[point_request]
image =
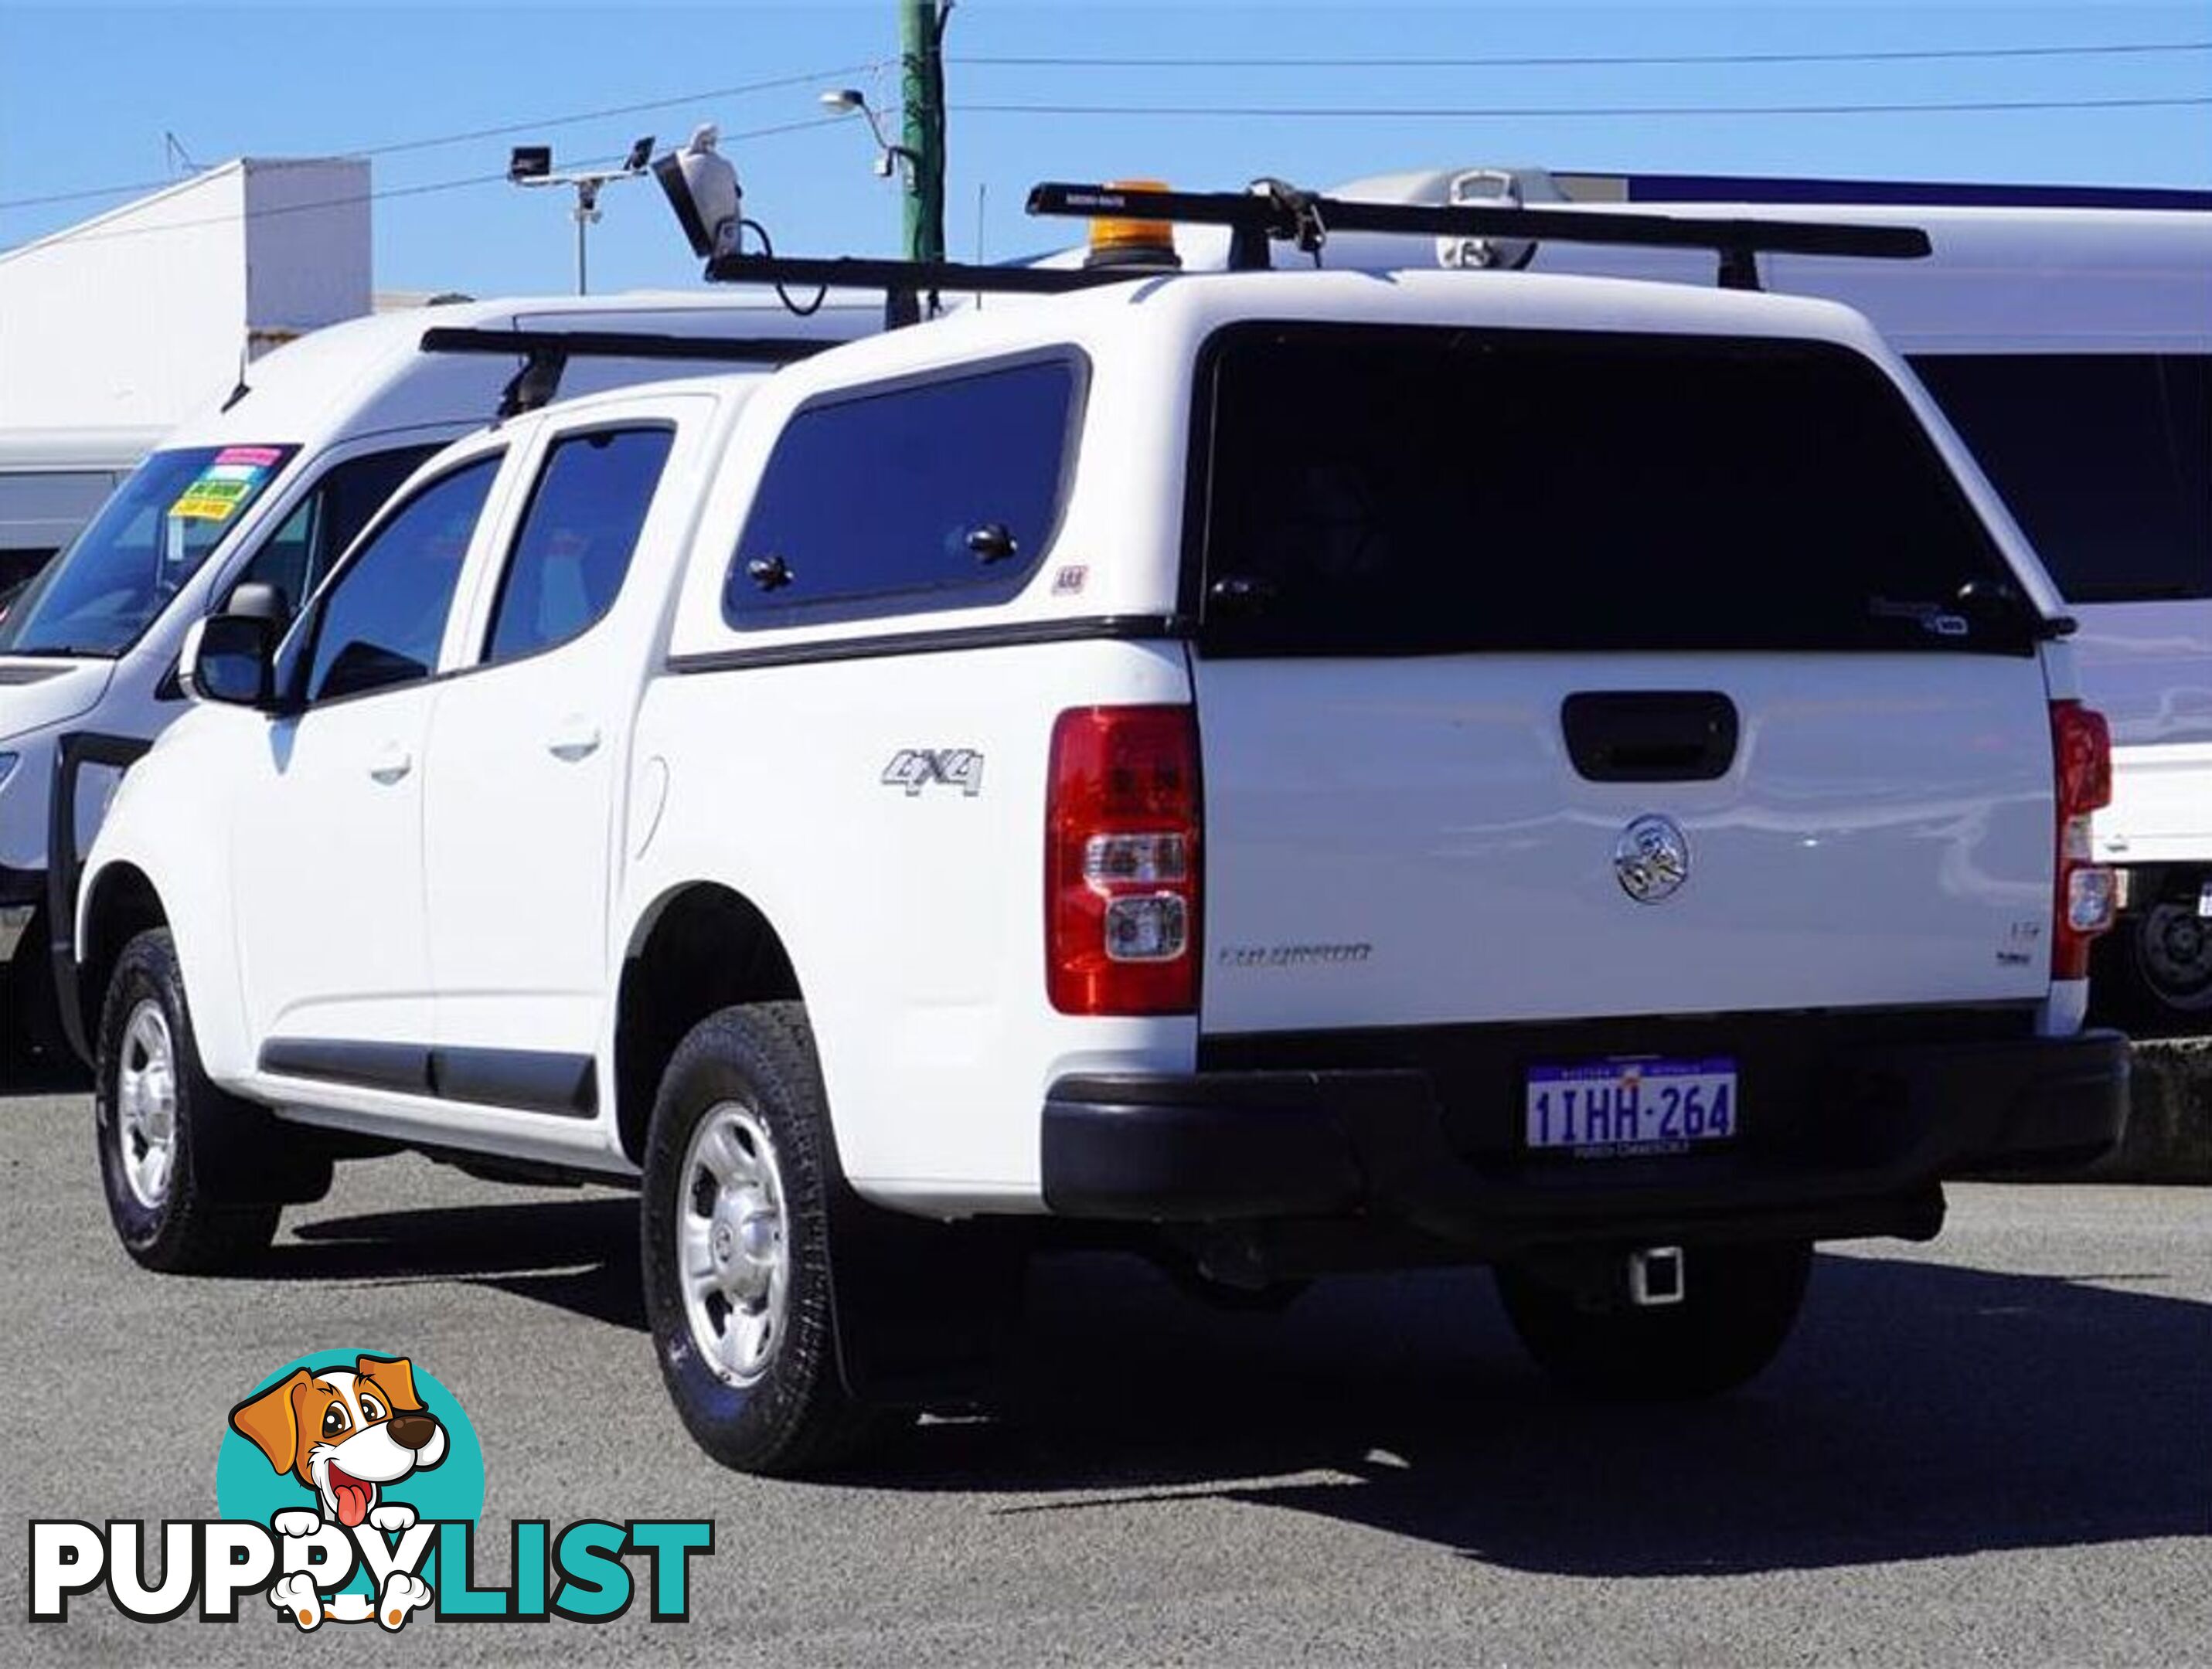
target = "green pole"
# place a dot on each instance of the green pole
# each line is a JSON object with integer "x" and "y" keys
{"x": 922, "y": 99}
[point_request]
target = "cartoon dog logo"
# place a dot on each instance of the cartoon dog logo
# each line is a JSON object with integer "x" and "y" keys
{"x": 347, "y": 1434}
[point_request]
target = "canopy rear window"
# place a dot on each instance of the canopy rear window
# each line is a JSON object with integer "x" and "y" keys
{"x": 1380, "y": 490}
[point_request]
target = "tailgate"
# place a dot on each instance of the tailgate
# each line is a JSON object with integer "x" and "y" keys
{"x": 1403, "y": 842}
{"x": 1552, "y": 675}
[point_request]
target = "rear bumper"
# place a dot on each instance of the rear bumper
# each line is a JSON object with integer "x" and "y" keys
{"x": 1868, "y": 1159}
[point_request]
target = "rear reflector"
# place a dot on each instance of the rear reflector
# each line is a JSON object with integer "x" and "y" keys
{"x": 1122, "y": 861}
{"x": 2087, "y": 893}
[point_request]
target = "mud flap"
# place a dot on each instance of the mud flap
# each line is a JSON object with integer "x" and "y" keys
{"x": 923, "y": 1307}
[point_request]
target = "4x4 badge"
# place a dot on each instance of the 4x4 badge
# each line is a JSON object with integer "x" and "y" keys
{"x": 1651, "y": 859}
{"x": 915, "y": 768}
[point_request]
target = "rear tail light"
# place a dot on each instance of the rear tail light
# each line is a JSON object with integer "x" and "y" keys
{"x": 1122, "y": 861}
{"x": 2088, "y": 894}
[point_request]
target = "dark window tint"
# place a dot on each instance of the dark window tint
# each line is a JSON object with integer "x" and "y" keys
{"x": 314, "y": 536}
{"x": 2105, "y": 459}
{"x": 941, "y": 495}
{"x": 1412, "y": 490}
{"x": 384, "y": 615}
{"x": 577, "y": 537}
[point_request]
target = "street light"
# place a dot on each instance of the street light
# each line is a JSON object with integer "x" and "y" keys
{"x": 844, "y": 100}
{"x": 532, "y": 165}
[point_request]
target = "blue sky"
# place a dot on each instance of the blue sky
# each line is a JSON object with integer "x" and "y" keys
{"x": 88, "y": 91}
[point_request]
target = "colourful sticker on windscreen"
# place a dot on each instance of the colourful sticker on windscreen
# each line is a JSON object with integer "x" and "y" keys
{"x": 261, "y": 457}
{"x": 222, "y": 486}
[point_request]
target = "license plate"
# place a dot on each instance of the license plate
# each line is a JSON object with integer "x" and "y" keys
{"x": 1624, "y": 1107}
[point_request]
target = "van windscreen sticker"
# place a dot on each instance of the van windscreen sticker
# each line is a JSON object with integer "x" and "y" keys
{"x": 225, "y": 484}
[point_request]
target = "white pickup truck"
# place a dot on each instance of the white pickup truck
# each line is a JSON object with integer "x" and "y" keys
{"x": 1295, "y": 770}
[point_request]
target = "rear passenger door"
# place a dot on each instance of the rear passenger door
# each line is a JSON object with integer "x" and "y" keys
{"x": 527, "y": 765}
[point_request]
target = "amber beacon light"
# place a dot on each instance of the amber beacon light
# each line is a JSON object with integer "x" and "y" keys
{"x": 1118, "y": 242}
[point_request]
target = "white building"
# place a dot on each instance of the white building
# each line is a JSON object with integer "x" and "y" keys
{"x": 114, "y": 331}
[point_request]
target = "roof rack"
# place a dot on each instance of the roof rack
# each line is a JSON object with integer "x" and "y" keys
{"x": 1272, "y": 212}
{"x": 547, "y": 354}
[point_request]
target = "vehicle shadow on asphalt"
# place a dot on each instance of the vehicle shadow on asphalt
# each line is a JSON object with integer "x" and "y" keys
{"x": 1920, "y": 1411}
{"x": 576, "y": 1254}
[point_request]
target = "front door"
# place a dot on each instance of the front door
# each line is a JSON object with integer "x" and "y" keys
{"x": 328, "y": 855}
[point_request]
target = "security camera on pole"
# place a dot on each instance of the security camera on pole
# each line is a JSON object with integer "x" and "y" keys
{"x": 532, "y": 165}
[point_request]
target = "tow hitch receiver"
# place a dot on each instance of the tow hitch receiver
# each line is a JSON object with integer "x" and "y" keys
{"x": 1655, "y": 1276}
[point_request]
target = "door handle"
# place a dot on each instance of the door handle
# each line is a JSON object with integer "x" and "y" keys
{"x": 1650, "y": 736}
{"x": 393, "y": 762}
{"x": 578, "y": 738}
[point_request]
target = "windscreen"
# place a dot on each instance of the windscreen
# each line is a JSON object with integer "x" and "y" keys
{"x": 1394, "y": 490}
{"x": 137, "y": 553}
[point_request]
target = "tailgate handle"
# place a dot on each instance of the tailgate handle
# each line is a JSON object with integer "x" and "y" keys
{"x": 1649, "y": 735}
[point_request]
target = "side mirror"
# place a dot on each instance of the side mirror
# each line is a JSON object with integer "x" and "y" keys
{"x": 256, "y": 599}
{"x": 231, "y": 658}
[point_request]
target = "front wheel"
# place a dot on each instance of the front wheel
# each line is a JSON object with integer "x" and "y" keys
{"x": 163, "y": 1126}
{"x": 740, "y": 1179}
{"x": 1738, "y": 1304}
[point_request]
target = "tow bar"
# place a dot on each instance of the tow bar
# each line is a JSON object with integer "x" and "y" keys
{"x": 1657, "y": 1277}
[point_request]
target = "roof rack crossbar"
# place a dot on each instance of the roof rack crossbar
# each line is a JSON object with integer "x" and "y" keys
{"x": 1282, "y": 214}
{"x": 546, "y": 354}
{"x": 622, "y": 344}
{"x": 860, "y": 272}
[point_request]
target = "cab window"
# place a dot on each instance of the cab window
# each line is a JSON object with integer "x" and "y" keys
{"x": 585, "y": 513}
{"x": 384, "y": 616}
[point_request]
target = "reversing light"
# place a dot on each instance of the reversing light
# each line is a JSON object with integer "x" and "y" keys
{"x": 1117, "y": 242}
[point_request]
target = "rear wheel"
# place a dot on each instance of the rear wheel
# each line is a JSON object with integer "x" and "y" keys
{"x": 163, "y": 1126}
{"x": 1738, "y": 1304}
{"x": 741, "y": 1179}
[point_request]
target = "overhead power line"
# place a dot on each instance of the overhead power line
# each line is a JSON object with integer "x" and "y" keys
{"x": 1503, "y": 113}
{"x": 1429, "y": 61}
{"x": 503, "y": 130}
{"x": 385, "y": 194}
{"x": 2108, "y": 49}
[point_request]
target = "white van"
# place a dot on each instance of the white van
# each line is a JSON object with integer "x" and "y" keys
{"x": 2067, "y": 333}
{"x": 270, "y": 489}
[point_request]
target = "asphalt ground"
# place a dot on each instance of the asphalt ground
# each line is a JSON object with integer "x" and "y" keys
{"x": 1996, "y": 1448}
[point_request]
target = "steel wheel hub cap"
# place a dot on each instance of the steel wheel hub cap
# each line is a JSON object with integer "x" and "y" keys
{"x": 732, "y": 1262}
{"x": 146, "y": 1104}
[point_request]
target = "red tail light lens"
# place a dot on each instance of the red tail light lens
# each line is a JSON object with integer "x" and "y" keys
{"x": 1122, "y": 861}
{"x": 2081, "y": 745}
